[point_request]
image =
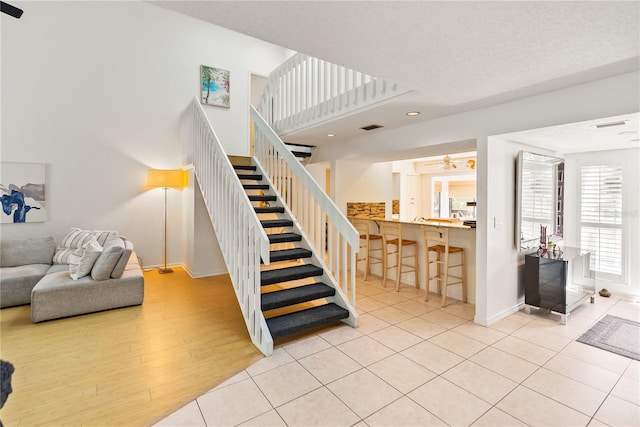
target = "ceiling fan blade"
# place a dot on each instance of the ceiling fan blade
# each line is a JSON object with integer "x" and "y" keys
{"x": 10, "y": 10}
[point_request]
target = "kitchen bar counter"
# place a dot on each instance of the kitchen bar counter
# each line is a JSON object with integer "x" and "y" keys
{"x": 461, "y": 236}
{"x": 437, "y": 222}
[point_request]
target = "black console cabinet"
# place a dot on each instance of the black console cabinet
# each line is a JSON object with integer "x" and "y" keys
{"x": 548, "y": 284}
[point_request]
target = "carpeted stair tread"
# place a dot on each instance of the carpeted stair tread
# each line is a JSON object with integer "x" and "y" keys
{"x": 300, "y": 294}
{"x": 289, "y": 254}
{"x": 244, "y": 167}
{"x": 284, "y": 237}
{"x": 255, "y": 186}
{"x": 297, "y": 272}
{"x": 269, "y": 209}
{"x": 272, "y": 223}
{"x": 250, "y": 176}
{"x": 262, "y": 198}
{"x": 299, "y": 321}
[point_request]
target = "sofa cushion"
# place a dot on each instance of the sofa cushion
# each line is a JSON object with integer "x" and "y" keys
{"x": 111, "y": 253}
{"x": 77, "y": 237}
{"x": 56, "y": 295}
{"x": 14, "y": 253}
{"x": 17, "y": 283}
{"x": 123, "y": 261}
{"x": 82, "y": 259}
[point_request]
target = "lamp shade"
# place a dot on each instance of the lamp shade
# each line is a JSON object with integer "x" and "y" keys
{"x": 176, "y": 178}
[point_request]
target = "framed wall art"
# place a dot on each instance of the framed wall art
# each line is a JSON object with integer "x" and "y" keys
{"x": 214, "y": 86}
{"x": 22, "y": 192}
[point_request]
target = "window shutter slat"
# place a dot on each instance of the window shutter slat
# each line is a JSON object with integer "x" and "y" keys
{"x": 601, "y": 217}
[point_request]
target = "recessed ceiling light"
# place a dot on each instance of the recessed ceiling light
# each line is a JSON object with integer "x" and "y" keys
{"x": 330, "y": 135}
{"x": 413, "y": 113}
{"x": 627, "y": 132}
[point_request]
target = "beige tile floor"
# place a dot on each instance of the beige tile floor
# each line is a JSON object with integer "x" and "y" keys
{"x": 412, "y": 363}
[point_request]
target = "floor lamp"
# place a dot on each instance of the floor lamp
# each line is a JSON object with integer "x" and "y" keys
{"x": 165, "y": 179}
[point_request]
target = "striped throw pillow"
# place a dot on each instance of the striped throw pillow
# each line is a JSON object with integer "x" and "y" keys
{"x": 76, "y": 238}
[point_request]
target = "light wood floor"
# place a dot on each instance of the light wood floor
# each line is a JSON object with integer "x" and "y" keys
{"x": 129, "y": 366}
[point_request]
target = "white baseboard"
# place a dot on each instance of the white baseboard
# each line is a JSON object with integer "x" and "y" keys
{"x": 498, "y": 317}
{"x": 201, "y": 275}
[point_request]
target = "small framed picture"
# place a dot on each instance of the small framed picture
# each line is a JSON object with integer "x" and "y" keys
{"x": 214, "y": 86}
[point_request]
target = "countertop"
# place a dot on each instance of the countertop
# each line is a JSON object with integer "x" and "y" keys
{"x": 449, "y": 223}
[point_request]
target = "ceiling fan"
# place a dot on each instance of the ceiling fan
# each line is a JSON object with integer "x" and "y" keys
{"x": 448, "y": 164}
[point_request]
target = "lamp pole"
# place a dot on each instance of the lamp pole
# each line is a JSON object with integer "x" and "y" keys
{"x": 165, "y": 269}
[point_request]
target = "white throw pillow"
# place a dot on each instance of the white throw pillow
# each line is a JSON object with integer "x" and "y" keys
{"x": 82, "y": 259}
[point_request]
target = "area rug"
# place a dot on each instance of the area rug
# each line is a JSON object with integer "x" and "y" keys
{"x": 614, "y": 334}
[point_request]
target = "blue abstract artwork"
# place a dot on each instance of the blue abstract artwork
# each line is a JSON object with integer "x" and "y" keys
{"x": 22, "y": 192}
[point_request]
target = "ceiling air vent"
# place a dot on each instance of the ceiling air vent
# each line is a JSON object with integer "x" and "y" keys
{"x": 607, "y": 125}
{"x": 371, "y": 127}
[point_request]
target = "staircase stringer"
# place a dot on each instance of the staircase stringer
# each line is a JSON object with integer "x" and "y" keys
{"x": 243, "y": 241}
{"x": 340, "y": 298}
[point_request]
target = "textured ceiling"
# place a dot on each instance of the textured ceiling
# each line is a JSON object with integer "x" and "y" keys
{"x": 457, "y": 55}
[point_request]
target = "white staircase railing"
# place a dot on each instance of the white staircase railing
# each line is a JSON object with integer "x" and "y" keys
{"x": 305, "y": 91}
{"x": 328, "y": 231}
{"x": 242, "y": 239}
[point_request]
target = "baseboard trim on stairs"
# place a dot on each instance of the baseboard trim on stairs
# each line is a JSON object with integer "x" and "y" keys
{"x": 218, "y": 272}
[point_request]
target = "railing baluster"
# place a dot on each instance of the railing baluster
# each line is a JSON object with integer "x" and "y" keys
{"x": 241, "y": 237}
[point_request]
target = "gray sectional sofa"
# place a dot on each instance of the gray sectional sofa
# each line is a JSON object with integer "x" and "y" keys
{"x": 28, "y": 275}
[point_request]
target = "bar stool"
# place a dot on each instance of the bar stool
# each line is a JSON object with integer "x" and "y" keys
{"x": 371, "y": 255}
{"x": 395, "y": 245}
{"x": 437, "y": 240}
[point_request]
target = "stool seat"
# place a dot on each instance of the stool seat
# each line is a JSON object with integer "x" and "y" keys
{"x": 442, "y": 248}
{"x": 437, "y": 241}
{"x": 371, "y": 237}
{"x": 404, "y": 242}
{"x": 393, "y": 247}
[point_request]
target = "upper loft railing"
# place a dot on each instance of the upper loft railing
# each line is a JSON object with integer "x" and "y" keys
{"x": 305, "y": 91}
{"x": 242, "y": 238}
{"x": 330, "y": 234}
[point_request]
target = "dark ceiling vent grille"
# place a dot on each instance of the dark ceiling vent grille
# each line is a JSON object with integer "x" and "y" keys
{"x": 371, "y": 127}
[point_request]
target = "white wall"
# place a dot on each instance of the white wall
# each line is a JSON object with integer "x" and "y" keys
{"x": 505, "y": 291}
{"x": 496, "y": 184}
{"x": 319, "y": 172}
{"x": 358, "y": 181}
{"x": 630, "y": 161}
{"x": 95, "y": 91}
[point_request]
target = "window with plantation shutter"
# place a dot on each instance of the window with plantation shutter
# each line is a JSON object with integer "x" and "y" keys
{"x": 601, "y": 220}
